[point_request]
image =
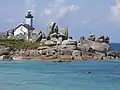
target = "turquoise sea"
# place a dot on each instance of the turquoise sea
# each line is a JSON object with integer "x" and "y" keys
{"x": 39, "y": 75}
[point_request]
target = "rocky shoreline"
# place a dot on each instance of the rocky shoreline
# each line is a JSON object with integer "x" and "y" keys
{"x": 58, "y": 53}
{"x": 57, "y": 46}
{"x": 67, "y": 51}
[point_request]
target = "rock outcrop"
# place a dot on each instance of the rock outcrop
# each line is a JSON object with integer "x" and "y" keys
{"x": 86, "y": 44}
{"x": 57, "y": 33}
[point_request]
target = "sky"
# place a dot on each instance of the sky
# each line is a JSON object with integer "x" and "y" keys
{"x": 82, "y": 17}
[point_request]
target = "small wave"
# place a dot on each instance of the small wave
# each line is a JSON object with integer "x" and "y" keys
{"x": 116, "y": 76}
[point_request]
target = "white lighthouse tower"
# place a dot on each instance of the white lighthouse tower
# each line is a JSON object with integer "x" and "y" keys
{"x": 29, "y": 18}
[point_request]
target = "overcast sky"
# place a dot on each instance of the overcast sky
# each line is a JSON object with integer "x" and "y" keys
{"x": 82, "y": 17}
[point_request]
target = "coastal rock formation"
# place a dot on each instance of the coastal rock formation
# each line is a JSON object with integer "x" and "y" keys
{"x": 54, "y": 44}
{"x": 55, "y": 32}
{"x": 68, "y": 49}
{"x": 69, "y": 44}
{"x": 86, "y": 44}
{"x": 100, "y": 47}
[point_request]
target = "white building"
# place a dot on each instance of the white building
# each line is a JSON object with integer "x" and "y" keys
{"x": 25, "y": 30}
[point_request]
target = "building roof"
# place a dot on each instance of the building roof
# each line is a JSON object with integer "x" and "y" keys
{"x": 26, "y": 26}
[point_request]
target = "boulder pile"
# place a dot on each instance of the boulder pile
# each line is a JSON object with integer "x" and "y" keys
{"x": 57, "y": 45}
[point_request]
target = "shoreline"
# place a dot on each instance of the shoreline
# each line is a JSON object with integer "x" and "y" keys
{"x": 56, "y": 54}
{"x": 64, "y": 58}
{"x": 67, "y": 51}
{"x": 61, "y": 60}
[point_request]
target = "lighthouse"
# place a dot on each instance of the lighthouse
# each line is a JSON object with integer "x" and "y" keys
{"x": 29, "y": 18}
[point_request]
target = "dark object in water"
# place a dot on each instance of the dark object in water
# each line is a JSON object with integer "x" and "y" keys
{"x": 62, "y": 61}
{"x": 88, "y": 72}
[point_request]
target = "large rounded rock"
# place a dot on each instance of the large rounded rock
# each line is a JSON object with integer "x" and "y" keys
{"x": 83, "y": 47}
{"x": 72, "y": 47}
{"x": 91, "y": 37}
{"x": 101, "y": 47}
{"x": 49, "y": 43}
{"x": 7, "y": 57}
{"x": 76, "y": 53}
{"x": 27, "y": 53}
{"x": 43, "y": 40}
{"x": 34, "y": 53}
{"x": 4, "y": 52}
{"x": 112, "y": 53}
{"x": 21, "y": 53}
{"x": 60, "y": 39}
{"x": 66, "y": 52}
{"x": 59, "y": 42}
{"x": 54, "y": 39}
{"x": 69, "y": 42}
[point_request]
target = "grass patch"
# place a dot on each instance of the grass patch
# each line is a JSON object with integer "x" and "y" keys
{"x": 19, "y": 44}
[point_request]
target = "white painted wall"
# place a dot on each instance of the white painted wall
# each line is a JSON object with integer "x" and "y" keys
{"x": 21, "y": 30}
{"x": 29, "y": 21}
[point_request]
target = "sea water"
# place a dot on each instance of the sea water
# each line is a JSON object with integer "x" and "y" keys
{"x": 39, "y": 75}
